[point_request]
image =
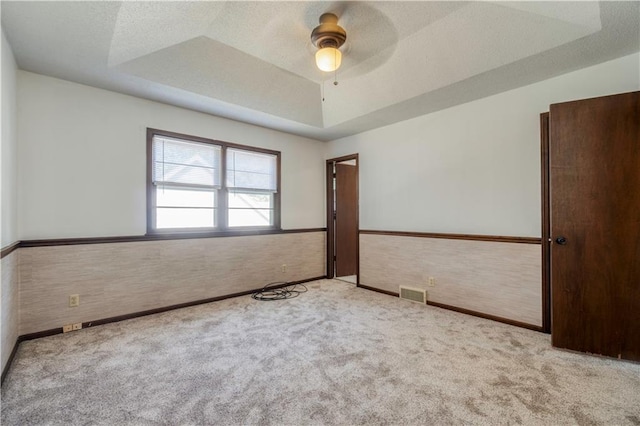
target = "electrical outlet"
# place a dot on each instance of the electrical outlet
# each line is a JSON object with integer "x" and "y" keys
{"x": 74, "y": 300}
{"x": 77, "y": 326}
{"x": 432, "y": 282}
{"x": 284, "y": 268}
{"x": 67, "y": 328}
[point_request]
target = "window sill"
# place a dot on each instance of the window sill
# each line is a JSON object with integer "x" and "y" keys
{"x": 235, "y": 232}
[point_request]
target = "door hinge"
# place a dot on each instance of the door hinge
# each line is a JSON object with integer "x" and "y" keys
{"x": 334, "y": 258}
{"x": 334, "y": 215}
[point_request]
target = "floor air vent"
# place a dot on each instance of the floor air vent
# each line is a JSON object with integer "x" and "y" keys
{"x": 413, "y": 294}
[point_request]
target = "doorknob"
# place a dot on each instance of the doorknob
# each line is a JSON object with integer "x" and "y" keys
{"x": 561, "y": 240}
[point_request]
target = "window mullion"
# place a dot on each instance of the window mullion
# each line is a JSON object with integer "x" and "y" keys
{"x": 223, "y": 200}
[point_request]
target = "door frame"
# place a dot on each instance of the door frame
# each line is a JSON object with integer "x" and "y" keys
{"x": 546, "y": 222}
{"x": 330, "y": 220}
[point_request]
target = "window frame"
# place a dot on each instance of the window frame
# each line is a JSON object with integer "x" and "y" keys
{"x": 222, "y": 208}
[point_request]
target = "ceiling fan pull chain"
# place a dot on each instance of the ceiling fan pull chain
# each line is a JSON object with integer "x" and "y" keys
{"x": 335, "y": 71}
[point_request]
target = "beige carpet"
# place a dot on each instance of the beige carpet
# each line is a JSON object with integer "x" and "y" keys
{"x": 335, "y": 355}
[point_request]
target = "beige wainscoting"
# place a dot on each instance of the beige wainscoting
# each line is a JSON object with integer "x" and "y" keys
{"x": 10, "y": 305}
{"x": 123, "y": 278}
{"x": 502, "y": 279}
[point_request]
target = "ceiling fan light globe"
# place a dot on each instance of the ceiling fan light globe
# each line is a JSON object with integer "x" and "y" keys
{"x": 328, "y": 59}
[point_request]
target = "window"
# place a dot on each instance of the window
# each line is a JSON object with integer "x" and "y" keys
{"x": 251, "y": 183}
{"x": 186, "y": 179}
{"x": 201, "y": 185}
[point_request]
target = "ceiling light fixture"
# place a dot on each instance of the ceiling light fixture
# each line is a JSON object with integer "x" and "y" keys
{"x": 328, "y": 37}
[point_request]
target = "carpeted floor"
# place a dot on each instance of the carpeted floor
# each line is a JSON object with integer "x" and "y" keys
{"x": 336, "y": 355}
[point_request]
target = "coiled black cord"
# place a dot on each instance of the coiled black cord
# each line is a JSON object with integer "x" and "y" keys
{"x": 280, "y": 293}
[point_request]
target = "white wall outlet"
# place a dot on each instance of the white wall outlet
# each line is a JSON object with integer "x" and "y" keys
{"x": 67, "y": 328}
{"x": 284, "y": 268}
{"x": 74, "y": 300}
{"x": 77, "y": 326}
{"x": 432, "y": 282}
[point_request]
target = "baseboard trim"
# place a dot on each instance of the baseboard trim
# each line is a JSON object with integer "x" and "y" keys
{"x": 486, "y": 316}
{"x": 463, "y": 310}
{"x": 39, "y": 334}
{"x": 188, "y": 304}
{"x": 378, "y": 290}
{"x": 5, "y": 370}
{"x": 54, "y": 331}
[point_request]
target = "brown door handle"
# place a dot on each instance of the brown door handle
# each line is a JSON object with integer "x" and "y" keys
{"x": 561, "y": 240}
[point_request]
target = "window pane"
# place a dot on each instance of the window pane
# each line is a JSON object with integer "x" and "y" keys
{"x": 184, "y": 218}
{"x": 250, "y": 217}
{"x": 251, "y": 170}
{"x": 174, "y": 197}
{"x": 181, "y": 173}
{"x": 250, "y": 200}
{"x": 187, "y": 162}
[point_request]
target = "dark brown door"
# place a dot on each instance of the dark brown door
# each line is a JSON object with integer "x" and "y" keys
{"x": 346, "y": 222}
{"x": 594, "y": 160}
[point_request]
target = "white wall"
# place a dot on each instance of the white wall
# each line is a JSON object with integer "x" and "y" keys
{"x": 8, "y": 150}
{"x": 473, "y": 168}
{"x": 83, "y": 159}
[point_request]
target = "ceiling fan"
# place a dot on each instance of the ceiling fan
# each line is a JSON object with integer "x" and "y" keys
{"x": 328, "y": 37}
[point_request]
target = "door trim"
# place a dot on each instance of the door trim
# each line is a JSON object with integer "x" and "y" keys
{"x": 546, "y": 223}
{"x": 330, "y": 223}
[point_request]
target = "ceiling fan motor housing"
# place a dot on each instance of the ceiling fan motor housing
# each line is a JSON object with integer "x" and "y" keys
{"x": 328, "y": 33}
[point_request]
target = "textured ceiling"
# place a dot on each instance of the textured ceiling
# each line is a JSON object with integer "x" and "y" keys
{"x": 253, "y": 61}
